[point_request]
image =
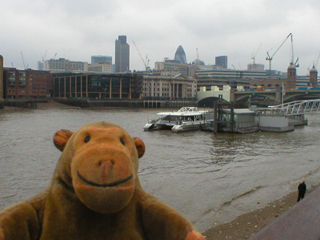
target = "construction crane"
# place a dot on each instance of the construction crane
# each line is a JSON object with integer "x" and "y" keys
{"x": 43, "y": 59}
{"x": 44, "y": 56}
{"x": 296, "y": 63}
{"x": 317, "y": 61}
{"x": 145, "y": 61}
{"x": 269, "y": 58}
{"x": 255, "y": 54}
{"x": 23, "y": 60}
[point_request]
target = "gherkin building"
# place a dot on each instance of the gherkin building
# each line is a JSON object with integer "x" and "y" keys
{"x": 180, "y": 55}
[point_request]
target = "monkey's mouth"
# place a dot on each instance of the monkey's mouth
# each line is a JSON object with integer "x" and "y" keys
{"x": 104, "y": 185}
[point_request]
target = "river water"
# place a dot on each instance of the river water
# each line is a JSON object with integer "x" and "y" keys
{"x": 210, "y": 178}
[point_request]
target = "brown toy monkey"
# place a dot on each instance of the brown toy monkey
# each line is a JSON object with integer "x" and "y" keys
{"x": 95, "y": 193}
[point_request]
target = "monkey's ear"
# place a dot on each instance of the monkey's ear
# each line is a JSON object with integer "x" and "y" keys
{"x": 61, "y": 138}
{"x": 141, "y": 148}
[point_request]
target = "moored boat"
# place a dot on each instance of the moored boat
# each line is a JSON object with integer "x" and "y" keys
{"x": 185, "y": 119}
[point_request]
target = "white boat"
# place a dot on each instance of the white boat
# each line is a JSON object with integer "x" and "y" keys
{"x": 185, "y": 119}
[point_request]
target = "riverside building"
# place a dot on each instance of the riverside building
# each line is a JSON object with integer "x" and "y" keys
{"x": 117, "y": 86}
{"x": 161, "y": 87}
{"x": 106, "y": 86}
{"x": 27, "y": 84}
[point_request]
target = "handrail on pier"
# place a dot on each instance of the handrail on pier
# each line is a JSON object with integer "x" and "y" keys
{"x": 297, "y": 107}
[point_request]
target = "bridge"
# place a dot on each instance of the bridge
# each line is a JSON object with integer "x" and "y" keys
{"x": 297, "y": 107}
{"x": 278, "y": 95}
{"x": 272, "y": 96}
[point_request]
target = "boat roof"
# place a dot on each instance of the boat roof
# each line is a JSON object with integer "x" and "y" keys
{"x": 180, "y": 113}
{"x": 184, "y": 111}
{"x": 240, "y": 111}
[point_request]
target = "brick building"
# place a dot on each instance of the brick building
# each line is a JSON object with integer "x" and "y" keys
{"x": 27, "y": 84}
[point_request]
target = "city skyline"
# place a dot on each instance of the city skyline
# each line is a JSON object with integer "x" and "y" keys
{"x": 78, "y": 30}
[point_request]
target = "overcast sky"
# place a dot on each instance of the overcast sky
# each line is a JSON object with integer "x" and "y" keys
{"x": 78, "y": 29}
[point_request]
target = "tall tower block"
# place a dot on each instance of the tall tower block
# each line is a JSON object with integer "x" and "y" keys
{"x": 122, "y": 54}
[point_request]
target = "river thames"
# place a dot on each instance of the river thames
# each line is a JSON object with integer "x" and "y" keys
{"x": 210, "y": 178}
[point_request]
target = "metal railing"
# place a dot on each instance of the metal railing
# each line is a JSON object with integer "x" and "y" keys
{"x": 297, "y": 107}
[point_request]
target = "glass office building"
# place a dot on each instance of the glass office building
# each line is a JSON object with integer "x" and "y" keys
{"x": 122, "y": 54}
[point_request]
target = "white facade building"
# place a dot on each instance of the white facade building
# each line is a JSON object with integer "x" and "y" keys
{"x": 169, "y": 87}
{"x": 62, "y": 65}
{"x": 100, "y": 67}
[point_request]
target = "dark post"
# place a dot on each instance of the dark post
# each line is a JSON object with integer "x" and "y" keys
{"x": 215, "y": 117}
{"x": 232, "y": 116}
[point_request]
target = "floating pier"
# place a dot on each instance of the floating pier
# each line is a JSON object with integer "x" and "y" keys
{"x": 229, "y": 119}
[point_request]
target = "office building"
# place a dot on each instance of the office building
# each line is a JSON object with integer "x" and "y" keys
{"x": 122, "y": 54}
{"x": 40, "y": 65}
{"x": 62, "y": 65}
{"x": 180, "y": 56}
{"x": 98, "y": 85}
{"x": 101, "y": 59}
{"x": 100, "y": 67}
{"x": 159, "y": 87}
{"x": 255, "y": 67}
{"x": 222, "y": 61}
{"x": 174, "y": 67}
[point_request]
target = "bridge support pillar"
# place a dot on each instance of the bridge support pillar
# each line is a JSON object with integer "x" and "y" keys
{"x": 232, "y": 95}
{"x": 279, "y": 95}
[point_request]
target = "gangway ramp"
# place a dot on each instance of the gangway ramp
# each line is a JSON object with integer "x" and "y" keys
{"x": 297, "y": 107}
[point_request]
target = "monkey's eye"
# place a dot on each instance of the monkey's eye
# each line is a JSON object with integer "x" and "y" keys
{"x": 122, "y": 141}
{"x": 87, "y": 139}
